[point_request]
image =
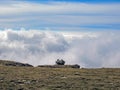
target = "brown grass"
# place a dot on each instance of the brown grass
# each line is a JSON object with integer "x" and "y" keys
{"x": 41, "y": 78}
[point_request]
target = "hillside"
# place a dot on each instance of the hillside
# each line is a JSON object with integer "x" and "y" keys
{"x": 45, "y": 78}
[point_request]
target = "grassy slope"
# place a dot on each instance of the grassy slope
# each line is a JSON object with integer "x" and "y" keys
{"x": 38, "y": 78}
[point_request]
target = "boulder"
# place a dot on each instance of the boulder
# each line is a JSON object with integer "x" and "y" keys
{"x": 76, "y": 66}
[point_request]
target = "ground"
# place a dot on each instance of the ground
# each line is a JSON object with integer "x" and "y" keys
{"x": 45, "y": 78}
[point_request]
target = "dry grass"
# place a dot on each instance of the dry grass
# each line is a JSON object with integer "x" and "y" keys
{"x": 38, "y": 78}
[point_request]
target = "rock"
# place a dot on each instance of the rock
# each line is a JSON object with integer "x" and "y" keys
{"x": 60, "y": 62}
{"x": 76, "y": 66}
{"x": 12, "y": 63}
{"x": 1, "y": 79}
{"x": 21, "y": 89}
{"x": 60, "y": 66}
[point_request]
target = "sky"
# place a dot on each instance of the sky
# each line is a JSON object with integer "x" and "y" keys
{"x": 73, "y": 0}
{"x": 60, "y": 14}
{"x": 38, "y": 32}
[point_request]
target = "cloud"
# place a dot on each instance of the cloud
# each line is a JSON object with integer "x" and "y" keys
{"x": 89, "y": 49}
{"x": 58, "y": 8}
{"x": 58, "y": 14}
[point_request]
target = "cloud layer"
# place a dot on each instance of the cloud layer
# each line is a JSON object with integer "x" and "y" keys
{"x": 89, "y": 49}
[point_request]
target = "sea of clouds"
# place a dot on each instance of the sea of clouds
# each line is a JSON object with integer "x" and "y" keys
{"x": 88, "y": 49}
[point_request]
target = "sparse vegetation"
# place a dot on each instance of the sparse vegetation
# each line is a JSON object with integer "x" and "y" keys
{"x": 45, "y": 78}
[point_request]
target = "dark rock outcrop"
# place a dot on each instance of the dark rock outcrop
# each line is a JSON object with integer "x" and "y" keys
{"x": 76, "y": 66}
{"x": 60, "y": 62}
{"x": 59, "y": 66}
{"x": 18, "y": 64}
{"x": 12, "y": 63}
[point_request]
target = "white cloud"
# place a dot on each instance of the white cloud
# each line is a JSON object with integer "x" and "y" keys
{"x": 89, "y": 49}
{"x": 60, "y": 8}
{"x": 31, "y": 15}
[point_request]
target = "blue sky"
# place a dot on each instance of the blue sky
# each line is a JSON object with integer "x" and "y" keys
{"x": 60, "y": 14}
{"x": 91, "y": 1}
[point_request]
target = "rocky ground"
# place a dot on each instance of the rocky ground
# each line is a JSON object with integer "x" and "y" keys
{"x": 45, "y": 78}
